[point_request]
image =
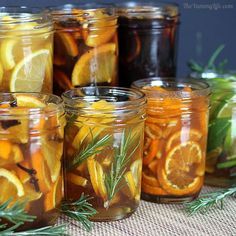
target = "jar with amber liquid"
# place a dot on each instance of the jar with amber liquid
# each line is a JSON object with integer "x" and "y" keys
{"x": 31, "y": 148}
{"x": 175, "y": 139}
{"x": 104, "y": 148}
{"x": 86, "y": 46}
{"x": 26, "y": 44}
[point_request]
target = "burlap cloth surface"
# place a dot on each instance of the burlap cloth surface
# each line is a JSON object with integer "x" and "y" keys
{"x": 164, "y": 219}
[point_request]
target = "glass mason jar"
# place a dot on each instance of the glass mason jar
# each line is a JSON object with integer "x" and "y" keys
{"x": 175, "y": 139}
{"x": 31, "y": 141}
{"x": 26, "y": 44}
{"x": 104, "y": 148}
{"x": 86, "y": 46}
{"x": 147, "y": 40}
{"x": 221, "y": 148}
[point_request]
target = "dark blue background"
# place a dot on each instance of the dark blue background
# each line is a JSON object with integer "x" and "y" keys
{"x": 205, "y": 24}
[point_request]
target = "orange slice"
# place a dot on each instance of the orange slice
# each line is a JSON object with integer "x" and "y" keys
{"x": 150, "y": 180}
{"x": 77, "y": 180}
{"x": 97, "y": 178}
{"x": 183, "y": 136}
{"x": 11, "y": 186}
{"x": 69, "y": 43}
{"x": 42, "y": 171}
{"x": 95, "y": 66}
{"x": 6, "y": 148}
{"x": 62, "y": 80}
{"x": 151, "y": 152}
{"x": 177, "y": 175}
{"x": 54, "y": 197}
{"x": 97, "y": 37}
{"x": 153, "y": 190}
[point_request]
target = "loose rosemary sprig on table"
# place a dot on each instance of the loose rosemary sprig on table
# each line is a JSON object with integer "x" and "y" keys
{"x": 118, "y": 167}
{"x": 94, "y": 147}
{"x": 210, "y": 200}
{"x": 196, "y": 67}
{"x": 59, "y": 230}
{"x": 15, "y": 213}
{"x": 80, "y": 210}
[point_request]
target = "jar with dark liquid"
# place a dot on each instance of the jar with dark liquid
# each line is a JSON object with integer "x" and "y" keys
{"x": 147, "y": 40}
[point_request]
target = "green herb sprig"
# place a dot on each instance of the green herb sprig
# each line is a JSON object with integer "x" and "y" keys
{"x": 59, "y": 230}
{"x": 118, "y": 167}
{"x": 210, "y": 200}
{"x": 94, "y": 147}
{"x": 15, "y": 213}
{"x": 196, "y": 67}
{"x": 80, "y": 210}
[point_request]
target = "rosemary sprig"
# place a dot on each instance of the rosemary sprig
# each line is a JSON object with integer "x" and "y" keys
{"x": 80, "y": 210}
{"x": 210, "y": 200}
{"x": 196, "y": 67}
{"x": 59, "y": 230}
{"x": 118, "y": 167}
{"x": 15, "y": 213}
{"x": 94, "y": 147}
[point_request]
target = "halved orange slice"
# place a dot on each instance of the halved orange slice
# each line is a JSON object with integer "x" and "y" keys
{"x": 11, "y": 186}
{"x": 54, "y": 197}
{"x": 177, "y": 174}
{"x": 182, "y": 136}
{"x": 6, "y": 148}
{"x": 95, "y": 66}
{"x": 76, "y": 179}
{"x": 146, "y": 188}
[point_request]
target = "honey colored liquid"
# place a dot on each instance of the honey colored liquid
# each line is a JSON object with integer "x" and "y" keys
{"x": 26, "y": 59}
{"x": 84, "y": 54}
{"x": 174, "y": 149}
{"x": 92, "y": 176}
{"x": 30, "y": 166}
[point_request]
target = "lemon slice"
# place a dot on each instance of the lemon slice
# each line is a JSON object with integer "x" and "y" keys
{"x": 28, "y": 75}
{"x": 13, "y": 180}
{"x": 29, "y": 101}
{"x": 76, "y": 179}
{"x": 95, "y": 66}
{"x": 7, "y": 55}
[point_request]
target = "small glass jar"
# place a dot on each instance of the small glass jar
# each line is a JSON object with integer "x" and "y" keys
{"x": 175, "y": 139}
{"x": 103, "y": 148}
{"x": 26, "y": 44}
{"x": 86, "y": 46}
{"x": 221, "y": 151}
{"x": 147, "y": 40}
{"x": 31, "y": 141}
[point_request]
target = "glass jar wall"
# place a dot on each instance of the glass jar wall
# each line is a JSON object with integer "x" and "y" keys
{"x": 86, "y": 46}
{"x": 175, "y": 139}
{"x": 103, "y": 149}
{"x": 26, "y": 44}
{"x": 31, "y": 141}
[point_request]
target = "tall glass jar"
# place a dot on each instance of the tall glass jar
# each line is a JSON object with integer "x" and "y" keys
{"x": 147, "y": 40}
{"x": 221, "y": 149}
{"x": 31, "y": 148}
{"x": 86, "y": 46}
{"x": 104, "y": 147}
{"x": 175, "y": 139}
{"x": 26, "y": 44}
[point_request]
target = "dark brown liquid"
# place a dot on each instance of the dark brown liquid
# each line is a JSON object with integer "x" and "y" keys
{"x": 147, "y": 48}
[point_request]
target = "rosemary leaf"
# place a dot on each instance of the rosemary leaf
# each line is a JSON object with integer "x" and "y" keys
{"x": 59, "y": 230}
{"x": 210, "y": 200}
{"x": 80, "y": 210}
{"x": 95, "y": 147}
{"x": 118, "y": 167}
{"x": 15, "y": 213}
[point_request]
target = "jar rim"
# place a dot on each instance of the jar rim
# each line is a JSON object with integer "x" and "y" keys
{"x": 46, "y": 97}
{"x": 66, "y": 11}
{"x": 200, "y": 87}
{"x": 134, "y": 98}
{"x": 167, "y": 10}
{"x": 24, "y": 14}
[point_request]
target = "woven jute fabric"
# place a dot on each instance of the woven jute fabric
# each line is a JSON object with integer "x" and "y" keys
{"x": 164, "y": 219}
